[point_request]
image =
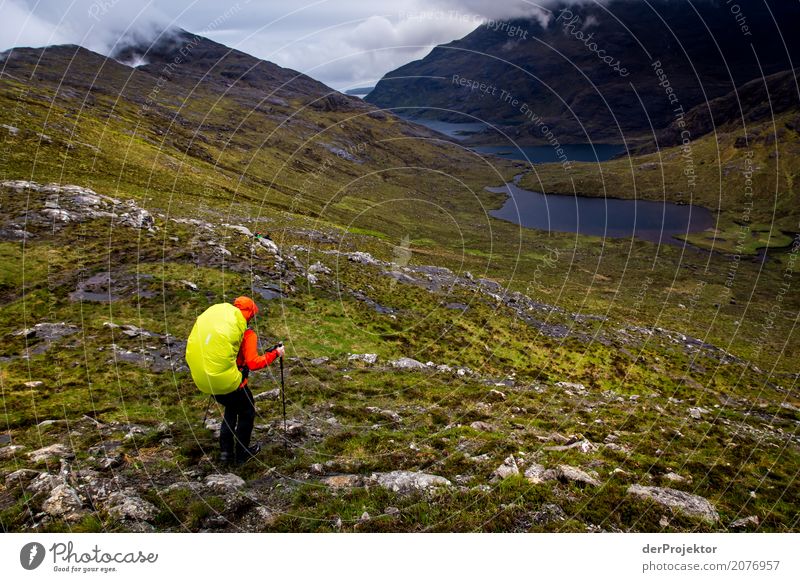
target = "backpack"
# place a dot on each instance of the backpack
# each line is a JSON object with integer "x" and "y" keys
{"x": 213, "y": 346}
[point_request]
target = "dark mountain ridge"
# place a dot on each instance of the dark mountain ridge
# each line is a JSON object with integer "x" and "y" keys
{"x": 596, "y": 72}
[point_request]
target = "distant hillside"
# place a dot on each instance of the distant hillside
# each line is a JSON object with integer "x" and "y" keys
{"x": 592, "y": 71}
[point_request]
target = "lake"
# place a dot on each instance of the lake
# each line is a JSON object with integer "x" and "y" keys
{"x": 605, "y": 217}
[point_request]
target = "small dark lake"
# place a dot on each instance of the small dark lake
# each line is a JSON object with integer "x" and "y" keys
{"x": 604, "y": 217}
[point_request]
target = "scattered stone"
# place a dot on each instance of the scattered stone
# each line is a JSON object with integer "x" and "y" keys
{"x": 363, "y": 258}
{"x": 319, "y": 268}
{"x": 697, "y": 412}
{"x": 748, "y": 522}
{"x": 571, "y": 386}
{"x": 585, "y": 446}
{"x": 536, "y": 473}
{"x": 496, "y": 395}
{"x": 664, "y": 521}
{"x": 444, "y": 368}
{"x": 63, "y": 503}
{"x": 129, "y": 506}
{"x": 269, "y": 245}
{"x": 344, "y": 481}
{"x": 320, "y": 361}
{"x": 47, "y": 331}
{"x": 33, "y": 384}
{"x": 687, "y": 503}
{"x": 295, "y": 430}
{"x": 189, "y": 285}
{"x": 10, "y": 451}
{"x": 265, "y": 515}
{"x": 226, "y": 483}
{"x": 388, "y": 414}
{"x": 482, "y": 426}
{"x": 507, "y": 469}
{"x": 674, "y": 477}
{"x": 317, "y": 469}
{"x": 240, "y": 229}
{"x": 21, "y": 478}
{"x": 391, "y": 510}
{"x": 408, "y": 481}
{"x": 366, "y": 358}
{"x": 407, "y": 364}
{"x": 365, "y": 517}
{"x": 569, "y": 473}
{"x": 273, "y": 394}
{"x": 53, "y": 451}
{"x": 549, "y": 513}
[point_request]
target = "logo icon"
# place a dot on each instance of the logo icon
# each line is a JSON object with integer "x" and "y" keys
{"x": 31, "y": 555}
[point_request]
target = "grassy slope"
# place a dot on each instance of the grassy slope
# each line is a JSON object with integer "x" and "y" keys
{"x": 256, "y": 179}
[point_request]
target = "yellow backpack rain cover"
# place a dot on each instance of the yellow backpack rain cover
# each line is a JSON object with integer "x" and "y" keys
{"x": 213, "y": 346}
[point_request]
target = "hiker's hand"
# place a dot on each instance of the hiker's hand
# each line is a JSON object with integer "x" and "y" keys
{"x": 279, "y": 350}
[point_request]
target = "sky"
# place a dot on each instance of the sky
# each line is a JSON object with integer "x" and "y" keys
{"x": 343, "y": 43}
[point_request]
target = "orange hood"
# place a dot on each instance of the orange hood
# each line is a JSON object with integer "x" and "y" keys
{"x": 247, "y": 306}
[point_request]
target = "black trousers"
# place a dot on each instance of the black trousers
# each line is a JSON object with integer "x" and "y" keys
{"x": 237, "y": 422}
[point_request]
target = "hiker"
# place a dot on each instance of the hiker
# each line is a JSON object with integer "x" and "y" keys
{"x": 221, "y": 353}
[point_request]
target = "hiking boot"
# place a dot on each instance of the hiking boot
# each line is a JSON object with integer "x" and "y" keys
{"x": 225, "y": 458}
{"x": 249, "y": 453}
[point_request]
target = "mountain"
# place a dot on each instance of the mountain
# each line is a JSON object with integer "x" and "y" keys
{"x": 595, "y": 71}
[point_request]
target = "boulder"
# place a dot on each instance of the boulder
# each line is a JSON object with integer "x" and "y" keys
{"x": 44, "y": 483}
{"x": 20, "y": 477}
{"x": 227, "y": 483}
{"x": 273, "y": 394}
{"x": 47, "y": 453}
{"x": 320, "y": 361}
{"x": 63, "y": 503}
{"x": 407, "y": 364}
{"x": 130, "y": 506}
{"x": 408, "y": 481}
{"x": 686, "y": 503}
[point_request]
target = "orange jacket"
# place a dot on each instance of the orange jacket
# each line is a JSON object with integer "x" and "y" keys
{"x": 248, "y": 353}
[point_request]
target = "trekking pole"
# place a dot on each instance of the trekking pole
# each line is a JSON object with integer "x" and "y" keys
{"x": 283, "y": 397}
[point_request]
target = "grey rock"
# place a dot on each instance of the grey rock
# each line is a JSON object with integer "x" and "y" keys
{"x": 295, "y": 429}
{"x": 674, "y": 477}
{"x": 548, "y": 513}
{"x": 33, "y": 384}
{"x": 319, "y": 268}
{"x": 136, "y": 217}
{"x": 240, "y": 229}
{"x": 130, "y": 506}
{"x": 48, "y": 331}
{"x": 53, "y": 451}
{"x": 189, "y": 285}
{"x": 407, "y": 364}
{"x": 698, "y": 412}
{"x": 571, "y": 386}
{"x": 748, "y": 522}
{"x": 569, "y": 473}
{"x": 269, "y": 245}
{"x": 687, "y": 503}
{"x": 21, "y": 477}
{"x": 496, "y": 395}
{"x": 408, "y": 481}
{"x": 507, "y": 469}
{"x": 363, "y": 258}
{"x": 391, "y": 510}
{"x": 44, "y": 484}
{"x": 317, "y": 469}
{"x": 63, "y": 503}
{"x": 482, "y": 426}
{"x": 10, "y": 451}
{"x": 366, "y": 358}
{"x": 273, "y": 394}
{"x": 226, "y": 483}
{"x": 365, "y": 517}
{"x": 536, "y": 473}
{"x": 320, "y": 361}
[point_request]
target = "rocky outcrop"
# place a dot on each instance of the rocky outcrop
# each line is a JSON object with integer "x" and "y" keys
{"x": 224, "y": 483}
{"x": 686, "y": 503}
{"x": 64, "y": 503}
